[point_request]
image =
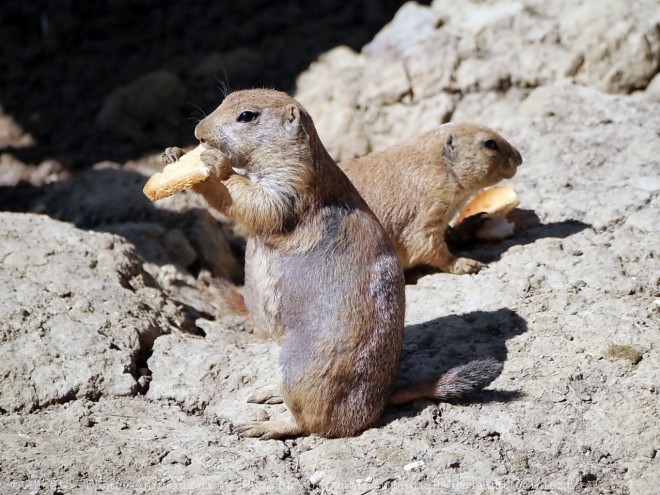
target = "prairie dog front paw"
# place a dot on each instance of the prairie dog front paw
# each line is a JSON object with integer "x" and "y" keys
{"x": 218, "y": 163}
{"x": 172, "y": 154}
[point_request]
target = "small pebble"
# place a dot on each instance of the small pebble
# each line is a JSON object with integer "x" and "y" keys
{"x": 316, "y": 477}
{"x": 501, "y": 470}
{"x": 414, "y": 466}
{"x": 283, "y": 453}
{"x": 647, "y": 452}
{"x": 144, "y": 381}
{"x": 176, "y": 457}
{"x": 262, "y": 415}
{"x": 87, "y": 422}
{"x": 488, "y": 433}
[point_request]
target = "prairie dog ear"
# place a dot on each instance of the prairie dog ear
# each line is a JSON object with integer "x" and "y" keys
{"x": 291, "y": 117}
{"x": 449, "y": 148}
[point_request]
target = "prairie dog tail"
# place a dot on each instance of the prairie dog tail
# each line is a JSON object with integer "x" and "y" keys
{"x": 453, "y": 384}
{"x": 232, "y": 298}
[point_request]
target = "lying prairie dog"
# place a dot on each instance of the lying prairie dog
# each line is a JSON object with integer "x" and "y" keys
{"x": 321, "y": 275}
{"x": 417, "y": 187}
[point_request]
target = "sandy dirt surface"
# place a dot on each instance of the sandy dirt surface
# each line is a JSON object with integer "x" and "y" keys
{"x": 121, "y": 371}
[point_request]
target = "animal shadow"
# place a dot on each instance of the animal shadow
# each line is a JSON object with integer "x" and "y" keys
{"x": 533, "y": 230}
{"x": 487, "y": 252}
{"x": 433, "y": 347}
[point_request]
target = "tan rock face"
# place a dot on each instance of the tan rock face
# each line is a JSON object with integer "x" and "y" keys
{"x": 178, "y": 230}
{"x": 420, "y": 67}
{"x": 78, "y": 312}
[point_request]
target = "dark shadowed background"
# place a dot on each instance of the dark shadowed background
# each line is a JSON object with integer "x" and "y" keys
{"x": 114, "y": 79}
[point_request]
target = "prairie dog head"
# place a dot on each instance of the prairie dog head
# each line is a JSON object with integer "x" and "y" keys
{"x": 264, "y": 133}
{"x": 477, "y": 155}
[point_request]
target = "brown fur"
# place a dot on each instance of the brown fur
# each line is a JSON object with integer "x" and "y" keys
{"x": 417, "y": 187}
{"x": 321, "y": 274}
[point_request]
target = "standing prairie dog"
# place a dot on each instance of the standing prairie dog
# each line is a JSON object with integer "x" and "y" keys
{"x": 417, "y": 187}
{"x": 321, "y": 275}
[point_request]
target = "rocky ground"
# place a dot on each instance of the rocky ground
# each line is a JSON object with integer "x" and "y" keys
{"x": 122, "y": 373}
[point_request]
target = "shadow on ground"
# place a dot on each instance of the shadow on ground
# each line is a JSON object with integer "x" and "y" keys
{"x": 434, "y": 347}
{"x": 558, "y": 230}
{"x": 488, "y": 252}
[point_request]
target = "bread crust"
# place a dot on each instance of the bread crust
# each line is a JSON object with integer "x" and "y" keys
{"x": 494, "y": 202}
{"x": 182, "y": 174}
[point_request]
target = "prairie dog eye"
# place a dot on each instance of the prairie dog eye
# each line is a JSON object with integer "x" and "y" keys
{"x": 491, "y": 145}
{"x": 247, "y": 116}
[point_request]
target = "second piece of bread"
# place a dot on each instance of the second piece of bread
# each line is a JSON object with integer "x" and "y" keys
{"x": 495, "y": 203}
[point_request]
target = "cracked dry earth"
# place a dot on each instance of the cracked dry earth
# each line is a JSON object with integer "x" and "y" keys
{"x": 117, "y": 376}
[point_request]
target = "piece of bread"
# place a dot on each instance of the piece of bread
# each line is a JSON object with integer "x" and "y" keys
{"x": 495, "y": 203}
{"x": 182, "y": 174}
{"x": 496, "y": 229}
